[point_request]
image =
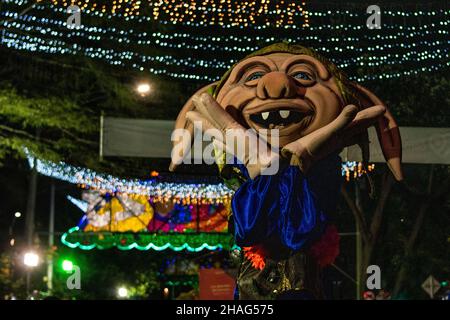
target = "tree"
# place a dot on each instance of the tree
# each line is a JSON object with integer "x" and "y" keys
{"x": 11, "y": 284}
{"x": 407, "y": 102}
{"x": 48, "y": 128}
{"x": 61, "y": 99}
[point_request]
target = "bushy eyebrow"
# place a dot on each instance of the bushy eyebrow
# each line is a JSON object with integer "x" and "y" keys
{"x": 246, "y": 65}
{"x": 300, "y": 61}
{"x": 316, "y": 66}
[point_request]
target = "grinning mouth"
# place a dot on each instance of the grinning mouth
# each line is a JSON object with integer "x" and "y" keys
{"x": 277, "y": 119}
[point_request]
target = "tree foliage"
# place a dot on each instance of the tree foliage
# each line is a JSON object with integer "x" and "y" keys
{"x": 407, "y": 224}
{"x": 52, "y": 107}
{"x": 51, "y": 128}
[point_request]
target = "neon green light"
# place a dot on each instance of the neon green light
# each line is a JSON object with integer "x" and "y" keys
{"x": 150, "y": 246}
{"x": 67, "y": 265}
{"x": 170, "y": 246}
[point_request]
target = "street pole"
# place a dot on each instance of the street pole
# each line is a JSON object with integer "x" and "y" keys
{"x": 102, "y": 121}
{"x": 358, "y": 243}
{"x": 51, "y": 239}
{"x": 31, "y": 203}
{"x": 358, "y": 261}
{"x": 29, "y": 219}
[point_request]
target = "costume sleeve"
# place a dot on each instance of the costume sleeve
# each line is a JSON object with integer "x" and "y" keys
{"x": 281, "y": 205}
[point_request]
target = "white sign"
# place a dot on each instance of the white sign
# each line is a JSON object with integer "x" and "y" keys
{"x": 431, "y": 286}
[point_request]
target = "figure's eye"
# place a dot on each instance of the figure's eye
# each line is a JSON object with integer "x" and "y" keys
{"x": 301, "y": 76}
{"x": 255, "y": 76}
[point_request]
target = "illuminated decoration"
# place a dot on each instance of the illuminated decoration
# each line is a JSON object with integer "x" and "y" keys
{"x": 114, "y": 221}
{"x": 124, "y": 7}
{"x": 80, "y": 204}
{"x": 116, "y": 213}
{"x": 205, "y": 12}
{"x": 190, "y": 283}
{"x": 154, "y": 174}
{"x": 353, "y": 169}
{"x": 67, "y": 265}
{"x": 276, "y": 13}
{"x": 184, "y": 193}
{"x": 412, "y": 42}
{"x": 176, "y": 223}
{"x": 191, "y": 218}
{"x": 120, "y": 212}
{"x": 193, "y": 242}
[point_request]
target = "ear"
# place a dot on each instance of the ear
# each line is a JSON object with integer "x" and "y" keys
{"x": 183, "y": 123}
{"x": 387, "y": 131}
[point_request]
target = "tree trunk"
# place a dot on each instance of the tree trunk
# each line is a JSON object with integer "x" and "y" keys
{"x": 377, "y": 219}
{"x": 401, "y": 275}
{"x": 369, "y": 235}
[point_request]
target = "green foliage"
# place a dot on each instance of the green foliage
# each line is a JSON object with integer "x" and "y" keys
{"x": 430, "y": 254}
{"x": 144, "y": 285}
{"x": 52, "y": 113}
{"x": 61, "y": 100}
{"x": 47, "y": 127}
{"x": 11, "y": 283}
{"x": 102, "y": 272}
{"x": 417, "y": 100}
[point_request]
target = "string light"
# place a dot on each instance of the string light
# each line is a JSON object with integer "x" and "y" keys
{"x": 124, "y": 7}
{"x": 224, "y": 8}
{"x": 353, "y": 169}
{"x": 234, "y": 13}
{"x": 410, "y": 47}
{"x": 205, "y": 12}
{"x": 185, "y": 193}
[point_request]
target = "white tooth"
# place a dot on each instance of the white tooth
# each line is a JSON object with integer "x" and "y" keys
{"x": 265, "y": 115}
{"x": 284, "y": 113}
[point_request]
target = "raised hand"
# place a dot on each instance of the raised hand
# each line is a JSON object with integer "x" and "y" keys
{"x": 230, "y": 136}
{"x": 340, "y": 133}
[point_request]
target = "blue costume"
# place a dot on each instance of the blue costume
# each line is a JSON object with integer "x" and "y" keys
{"x": 289, "y": 205}
{"x": 282, "y": 215}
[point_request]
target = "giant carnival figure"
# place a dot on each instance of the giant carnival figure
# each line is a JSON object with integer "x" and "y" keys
{"x": 283, "y": 221}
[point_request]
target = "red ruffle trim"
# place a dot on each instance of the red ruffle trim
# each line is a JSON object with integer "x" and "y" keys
{"x": 324, "y": 251}
{"x": 256, "y": 256}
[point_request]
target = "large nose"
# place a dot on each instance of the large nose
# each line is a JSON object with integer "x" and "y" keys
{"x": 276, "y": 85}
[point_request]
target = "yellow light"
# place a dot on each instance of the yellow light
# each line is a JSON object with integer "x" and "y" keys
{"x": 31, "y": 259}
{"x": 143, "y": 89}
{"x": 122, "y": 292}
{"x": 236, "y": 13}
